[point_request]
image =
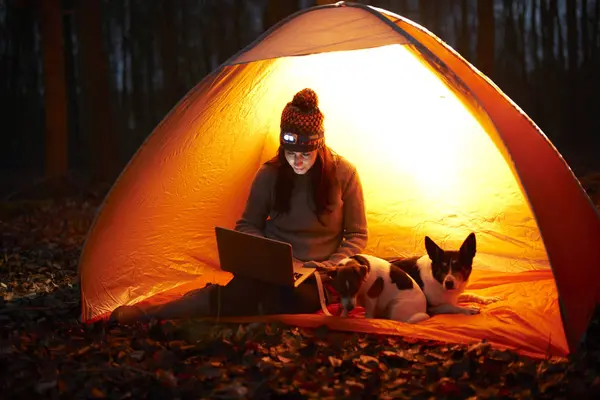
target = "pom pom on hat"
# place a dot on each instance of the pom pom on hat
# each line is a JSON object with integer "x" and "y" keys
{"x": 302, "y": 123}
{"x": 306, "y": 100}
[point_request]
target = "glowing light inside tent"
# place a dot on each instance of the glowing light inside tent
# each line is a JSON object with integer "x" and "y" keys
{"x": 427, "y": 165}
{"x": 407, "y": 118}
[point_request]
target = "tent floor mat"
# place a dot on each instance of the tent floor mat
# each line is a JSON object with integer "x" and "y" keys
{"x": 520, "y": 321}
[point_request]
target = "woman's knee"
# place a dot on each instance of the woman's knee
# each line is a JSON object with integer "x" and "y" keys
{"x": 306, "y": 299}
{"x": 192, "y": 304}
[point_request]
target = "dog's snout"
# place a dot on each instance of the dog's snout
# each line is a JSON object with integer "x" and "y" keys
{"x": 348, "y": 304}
{"x": 449, "y": 284}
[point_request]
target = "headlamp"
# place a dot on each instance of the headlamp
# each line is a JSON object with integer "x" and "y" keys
{"x": 290, "y": 138}
{"x": 297, "y": 142}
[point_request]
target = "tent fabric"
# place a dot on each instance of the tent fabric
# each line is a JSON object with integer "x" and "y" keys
{"x": 320, "y": 30}
{"x": 520, "y": 322}
{"x": 565, "y": 215}
{"x": 441, "y": 151}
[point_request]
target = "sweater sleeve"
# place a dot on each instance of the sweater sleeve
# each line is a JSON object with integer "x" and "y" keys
{"x": 258, "y": 204}
{"x": 355, "y": 221}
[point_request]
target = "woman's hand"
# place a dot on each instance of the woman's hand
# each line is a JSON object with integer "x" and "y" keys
{"x": 315, "y": 264}
{"x": 322, "y": 269}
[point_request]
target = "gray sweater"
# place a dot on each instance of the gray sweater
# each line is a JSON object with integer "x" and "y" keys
{"x": 343, "y": 232}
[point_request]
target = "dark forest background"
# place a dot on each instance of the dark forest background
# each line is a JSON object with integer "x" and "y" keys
{"x": 84, "y": 82}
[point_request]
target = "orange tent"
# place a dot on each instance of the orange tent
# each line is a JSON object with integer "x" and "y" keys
{"x": 441, "y": 152}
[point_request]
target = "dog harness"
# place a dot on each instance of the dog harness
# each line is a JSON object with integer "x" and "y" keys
{"x": 322, "y": 298}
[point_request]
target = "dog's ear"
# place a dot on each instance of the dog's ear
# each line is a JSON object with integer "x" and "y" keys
{"x": 332, "y": 272}
{"x": 434, "y": 252}
{"x": 362, "y": 261}
{"x": 363, "y": 270}
{"x": 468, "y": 249}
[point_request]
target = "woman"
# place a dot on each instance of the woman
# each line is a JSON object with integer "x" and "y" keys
{"x": 306, "y": 196}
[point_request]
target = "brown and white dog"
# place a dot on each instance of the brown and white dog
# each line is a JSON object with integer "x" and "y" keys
{"x": 384, "y": 290}
{"x": 443, "y": 276}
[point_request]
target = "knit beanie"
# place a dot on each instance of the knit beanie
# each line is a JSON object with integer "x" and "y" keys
{"x": 302, "y": 123}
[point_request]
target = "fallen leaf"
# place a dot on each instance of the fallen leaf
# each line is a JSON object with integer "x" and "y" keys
{"x": 137, "y": 355}
{"x": 459, "y": 369}
{"x": 447, "y": 387}
{"x": 335, "y": 362}
{"x": 166, "y": 377}
{"x": 322, "y": 331}
{"x": 97, "y": 393}
{"x": 44, "y": 386}
{"x": 50, "y": 353}
{"x": 479, "y": 348}
{"x": 283, "y": 359}
{"x": 355, "y": 384}
{"x": 62, "y": 386}
{"x": 365, "y": 359}
{"x": 83, "y": 350}
{"x": 209, "y": 372}
{"x": 233, "y": 391}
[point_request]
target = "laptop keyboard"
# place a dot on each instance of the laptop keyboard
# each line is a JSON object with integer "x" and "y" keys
{"x": 297, "y": 276}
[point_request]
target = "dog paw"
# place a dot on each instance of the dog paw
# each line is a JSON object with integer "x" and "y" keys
{"x": 490, "y": 299}
{"x": 470, "y": 310}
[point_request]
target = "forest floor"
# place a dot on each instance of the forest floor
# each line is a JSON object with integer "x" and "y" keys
{"x": 45, "y": 352}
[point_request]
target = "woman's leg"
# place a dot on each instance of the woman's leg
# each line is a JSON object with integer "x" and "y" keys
{"x": 246, "y": 297}
{"x": 305, "y": 299}
{"x": 196, "y": 303}
{"x": 240, "y": 297}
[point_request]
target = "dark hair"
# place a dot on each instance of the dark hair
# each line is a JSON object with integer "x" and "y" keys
{"x": 323, "y": 181}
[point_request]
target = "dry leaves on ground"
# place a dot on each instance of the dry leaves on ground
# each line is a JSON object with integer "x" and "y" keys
{"x": 46, "y": 352}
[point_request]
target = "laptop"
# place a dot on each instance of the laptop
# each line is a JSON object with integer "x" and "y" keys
{"x": 259, "y": 258}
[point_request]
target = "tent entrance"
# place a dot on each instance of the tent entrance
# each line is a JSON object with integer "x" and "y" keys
{"x": 427, "y": 164}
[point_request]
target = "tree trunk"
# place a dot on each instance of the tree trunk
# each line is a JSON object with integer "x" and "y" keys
{"x": 198, "y": 37}
{"x": 169, "y": 54}
{"x": 240, "y": 27}
{"x": 55, "y": 89}
{"x": 534, "y": 36}
{"x": 547, "y": 34}
{"x": 595, "y": 29}
{"x": 511, "y": 46}
{"x": 572, "y": 65}
{"x": 403, "y": 7}
{"x": 522, "y": 30}
{"x": 76, "y": 159}
{"x": 224, "y": 31}
{"x": 277, "y": 10}
{"x": 426, "y": 16}
{"x": 485, "y": 37}
{"x": 97, "y": 111}
{"x": 585, "y": 43}
{"x": 559, "y": 33}
{"x": 128, "y": 117}
{"x": 137, "y": 70}
{"x": 464, "y": 44}
{"x": 150, "y": 67}
{"x": 572, "y": 49}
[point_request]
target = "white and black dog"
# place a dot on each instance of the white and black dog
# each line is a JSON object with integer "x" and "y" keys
{"x": 384, "y": 290}
{"x": 443, "y": 275}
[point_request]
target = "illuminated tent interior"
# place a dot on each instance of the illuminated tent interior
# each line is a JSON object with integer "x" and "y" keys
{"x": 440, "y": 150}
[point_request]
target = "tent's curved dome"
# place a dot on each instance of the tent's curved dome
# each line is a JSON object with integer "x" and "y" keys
{"x": 440, "y": 150}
